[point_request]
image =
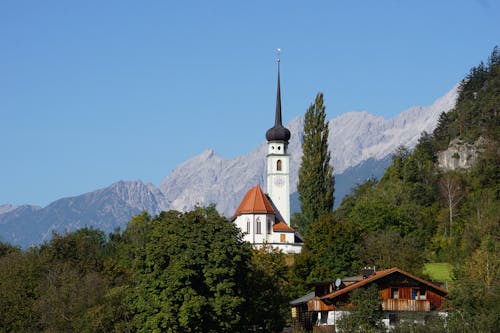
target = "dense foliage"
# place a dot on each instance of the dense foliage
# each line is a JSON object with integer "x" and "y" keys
{"x": 420, "y": 212}
{"x": 176, "y": 272}
{"x": 316, "y": 182}
{"x": 191, "y": 272}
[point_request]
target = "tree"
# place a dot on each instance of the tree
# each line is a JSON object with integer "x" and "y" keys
{"x": 316, "y": 182}
{"x": 266, "y": 290}
{"x": 189, "y": 269}
{"x": 474, "y": 297}
{"x": 387, "y": 249}
{"x": 19, "y": 276}
{"x": 73, "y": 283}
{"x": 452, "y": 194}
{"x": 366, "y": 317}
{"x": 328, "y": 252}
{"x": 66, "y": 296}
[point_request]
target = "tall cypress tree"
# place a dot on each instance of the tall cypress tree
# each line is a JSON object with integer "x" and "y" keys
{"x": 316, "y": 182}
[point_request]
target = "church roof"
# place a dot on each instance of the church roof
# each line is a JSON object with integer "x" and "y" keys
{"x": 254, "y": 202}
{"x": 282, "y": 227}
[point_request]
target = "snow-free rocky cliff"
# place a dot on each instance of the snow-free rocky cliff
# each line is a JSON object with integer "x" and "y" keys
{"x": 356, "y": 138}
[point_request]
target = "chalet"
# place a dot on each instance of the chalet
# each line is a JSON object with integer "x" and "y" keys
{"x": 401, "y": 293}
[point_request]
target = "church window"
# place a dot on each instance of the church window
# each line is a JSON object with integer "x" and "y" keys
{"x": 248, "y": 226}
{"x": 282, "y": 238}
{"x": 269, "y": 226}
{"x": 278, "y": 165}
{"x": 259, "y": 226}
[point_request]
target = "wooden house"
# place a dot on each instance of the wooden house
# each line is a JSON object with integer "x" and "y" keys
{"x": 400, "y": 292}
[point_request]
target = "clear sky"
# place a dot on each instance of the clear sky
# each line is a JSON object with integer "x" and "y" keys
{"x": 92, "y": 92}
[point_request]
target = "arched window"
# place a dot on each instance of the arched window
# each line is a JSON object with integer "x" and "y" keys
{"x": 259, "y": 226}
{"x": 248, "y": 226}
{"x": 278, "y": 165}
{"x": 269, "y": 226}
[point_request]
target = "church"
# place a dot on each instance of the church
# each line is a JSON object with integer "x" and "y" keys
{"x": 264, "y": 218}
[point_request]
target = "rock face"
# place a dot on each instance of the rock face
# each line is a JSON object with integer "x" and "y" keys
{"x": 460, "y": 155}
{"x": 359, "y": 136}
{"x": 360, "y": 145}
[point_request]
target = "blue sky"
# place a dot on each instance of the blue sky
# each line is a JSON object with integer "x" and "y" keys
{"x": 92, "y": 92}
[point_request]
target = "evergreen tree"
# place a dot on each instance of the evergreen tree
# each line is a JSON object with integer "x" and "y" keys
{"x": 316, "y": 182}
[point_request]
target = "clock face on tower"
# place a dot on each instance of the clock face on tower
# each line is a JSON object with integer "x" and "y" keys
{"x": 279, "y": 181}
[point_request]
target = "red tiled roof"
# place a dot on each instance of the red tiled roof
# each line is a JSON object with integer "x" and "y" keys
{"x": 282, "y": 227}
{"x": 376, "y": 276}
{"x": 254, "y": 202}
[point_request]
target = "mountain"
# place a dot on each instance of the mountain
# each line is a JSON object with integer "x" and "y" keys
{"x": 105, "y": 209}
{"x": 360, "y": 145}
{"x": 7, "y": 208}
{"x": 355, "y": 137}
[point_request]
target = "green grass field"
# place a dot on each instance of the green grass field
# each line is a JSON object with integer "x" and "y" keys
{"x": 438, "y": 271}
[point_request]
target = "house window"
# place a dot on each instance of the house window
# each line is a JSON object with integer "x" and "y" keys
{"x": 278, "y": 165}
{"x": 259, "y": 226}
{"x": 269, "y": 226}
{"x": 248, "y": 226}
{"x": 283, "y": 238}
{"x": 415, "y": 293}
{"x": 422, "y": 295}
{"x": 394, "y": 293}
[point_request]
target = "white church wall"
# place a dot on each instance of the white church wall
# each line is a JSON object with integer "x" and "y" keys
{"x": 256, "y": 227}
{"x": 277, "y": 237}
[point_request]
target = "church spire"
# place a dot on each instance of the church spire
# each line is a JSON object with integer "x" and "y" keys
{"x": 278, "y": 132}
{"x": 277, "y": 121}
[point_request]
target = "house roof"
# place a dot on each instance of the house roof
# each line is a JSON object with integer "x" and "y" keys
{"x": 254, "y": 202}
{"x": 378, "y": 275}
{"x": 282, "y": 227}
{"x": 303, "y": 299}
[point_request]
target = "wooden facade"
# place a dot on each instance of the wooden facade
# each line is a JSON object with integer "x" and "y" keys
{"x": 400, "y": 292}
{"x": 406, "y": 305}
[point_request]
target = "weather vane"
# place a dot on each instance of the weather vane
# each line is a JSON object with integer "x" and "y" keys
{"x": 279, "y": 52}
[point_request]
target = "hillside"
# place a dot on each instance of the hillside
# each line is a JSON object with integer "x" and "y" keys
{"x": 422, "y": 211}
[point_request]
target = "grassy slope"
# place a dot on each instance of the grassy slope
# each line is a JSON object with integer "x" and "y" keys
{"x": 438, "y": 271}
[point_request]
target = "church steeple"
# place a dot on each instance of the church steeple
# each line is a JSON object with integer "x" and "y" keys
{"x": 278, "y": 161}
{"x": 264, "y": 218}
{"x": 278, "y": 132}
{"x": 277, "y": 121}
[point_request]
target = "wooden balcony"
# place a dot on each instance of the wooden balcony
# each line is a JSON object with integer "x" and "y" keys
{"x": 406, "y": 305}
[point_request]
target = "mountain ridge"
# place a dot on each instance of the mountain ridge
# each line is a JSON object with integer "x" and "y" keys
{"x": 355, "y": 138}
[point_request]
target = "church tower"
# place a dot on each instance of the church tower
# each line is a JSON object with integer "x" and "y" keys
{"x": 264, "y": 218}
{"x": 278, "y": 161}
